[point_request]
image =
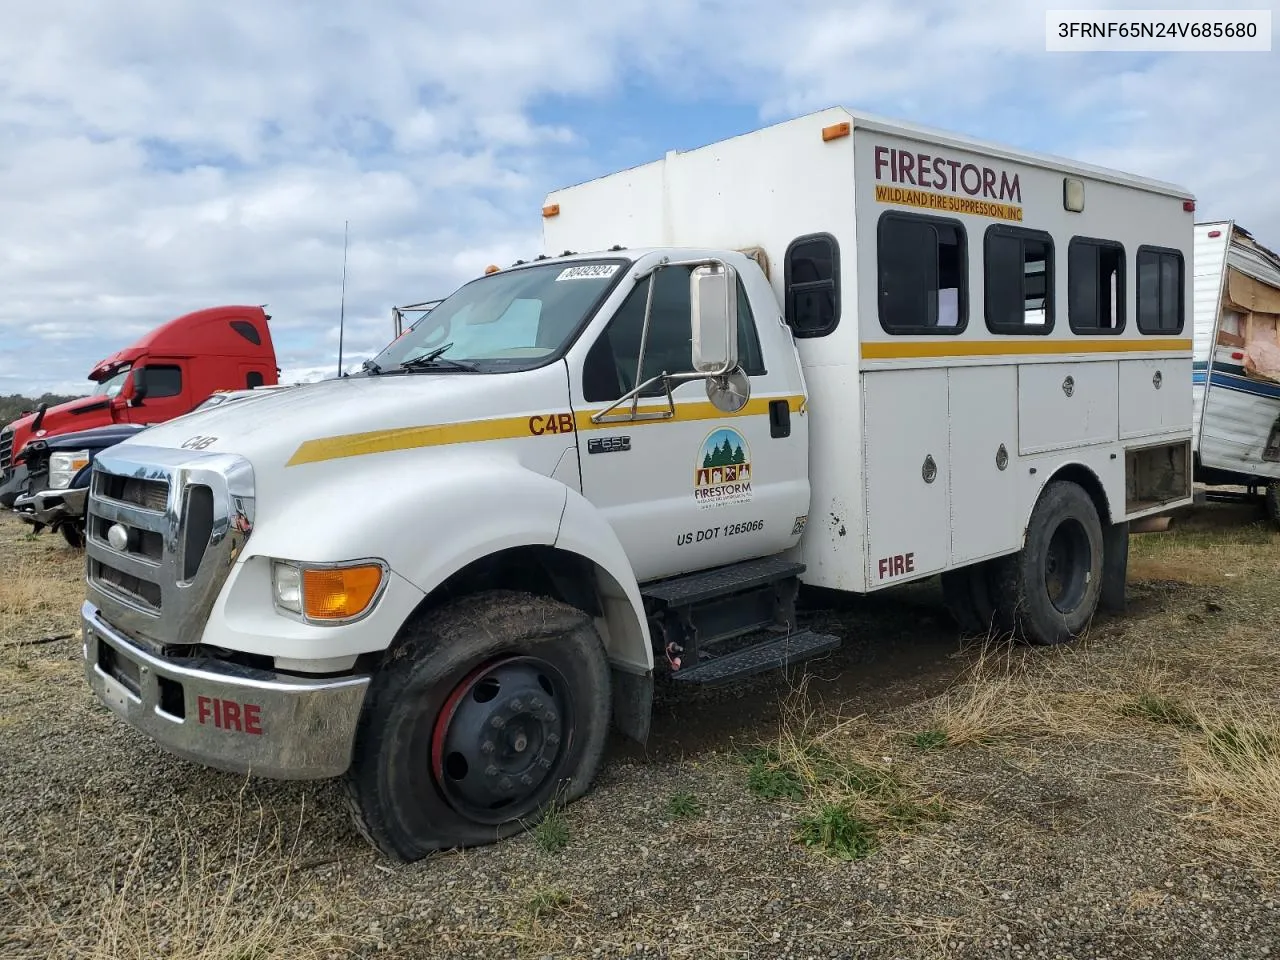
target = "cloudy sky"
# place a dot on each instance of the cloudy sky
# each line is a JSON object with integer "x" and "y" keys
{"x": 159, "y": 156}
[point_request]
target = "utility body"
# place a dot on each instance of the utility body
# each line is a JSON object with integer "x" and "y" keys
{"x": 838, "y": 351}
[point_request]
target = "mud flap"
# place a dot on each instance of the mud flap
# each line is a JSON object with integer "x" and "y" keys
{"x": 632, "y": 703}
{"x": 1115, "y": 567}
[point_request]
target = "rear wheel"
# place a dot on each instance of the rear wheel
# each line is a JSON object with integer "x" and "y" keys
{"x": 488, "y": 711}
{"x": 966, "y": 592}
{"x": 1048, "y": 591}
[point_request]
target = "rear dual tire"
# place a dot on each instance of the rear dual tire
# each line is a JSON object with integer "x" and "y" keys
{"x": 1047, "y": 593}
{"x": 967, "y": 595}
{"x": 1049, "y": 590}
{"x": 487, "y": 712}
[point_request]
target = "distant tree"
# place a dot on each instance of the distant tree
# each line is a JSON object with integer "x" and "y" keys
{"x": 15, "y": 405}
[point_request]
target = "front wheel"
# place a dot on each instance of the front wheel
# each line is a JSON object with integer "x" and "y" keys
{"x": 1273, "y": 501}
{"x": 1048, "y": 591}
{"x": 489, "y": 710}
{"x": 74, "y": 535}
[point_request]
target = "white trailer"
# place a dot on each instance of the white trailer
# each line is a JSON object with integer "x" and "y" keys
{"x": 1236, "y": 435}
{"x": 837, "y": 351}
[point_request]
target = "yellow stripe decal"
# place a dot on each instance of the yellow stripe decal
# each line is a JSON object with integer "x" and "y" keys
{"x": 511, "y": 428}
{"x": 919, "y": 349}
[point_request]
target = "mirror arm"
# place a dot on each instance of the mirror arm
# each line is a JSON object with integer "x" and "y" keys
{"x": 633, "y": 394}
{"x": 668, "y": 262}
{"x": 644, "y": 336}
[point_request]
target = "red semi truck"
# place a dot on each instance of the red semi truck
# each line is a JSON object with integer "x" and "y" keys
{"x": 166, "y": 373}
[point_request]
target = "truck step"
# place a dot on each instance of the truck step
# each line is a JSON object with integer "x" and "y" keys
{"x": 708, "y": 584}
{"x": 769, "y": 655}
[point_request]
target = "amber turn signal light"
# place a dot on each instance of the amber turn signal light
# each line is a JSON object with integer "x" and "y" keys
{"x": 339, "y": 593}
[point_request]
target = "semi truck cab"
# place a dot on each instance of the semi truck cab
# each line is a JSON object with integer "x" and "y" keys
{"x": 165, "y": 374}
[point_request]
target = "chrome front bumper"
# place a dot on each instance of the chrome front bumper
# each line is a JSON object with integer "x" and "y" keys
{"x": 51, "y": 506}
{"x": 224, "y": 715}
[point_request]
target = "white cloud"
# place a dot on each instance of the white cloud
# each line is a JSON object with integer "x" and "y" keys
{"x": 160, "y": 157}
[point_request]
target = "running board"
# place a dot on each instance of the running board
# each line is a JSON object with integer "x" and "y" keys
{"x": 722, "y": 581}
{"x": 769, "y": 655}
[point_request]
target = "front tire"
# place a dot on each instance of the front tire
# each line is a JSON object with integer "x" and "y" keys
{"x": 486, "y": 712}
{"x": 1273, "y": 502}
{"x": 73, "y": 534}
{"x": 1049, "y": 590}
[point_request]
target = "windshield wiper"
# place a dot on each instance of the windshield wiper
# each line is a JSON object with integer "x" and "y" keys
{"x": 371, "y": 368}
{"x": 434, "y": 357}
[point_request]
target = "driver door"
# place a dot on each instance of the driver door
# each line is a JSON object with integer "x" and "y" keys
{"x": 168, "y": 394}
{"x": 696, "y": 490}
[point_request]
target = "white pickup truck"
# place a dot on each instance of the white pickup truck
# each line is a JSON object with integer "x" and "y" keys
{"x": 837, "y": 351}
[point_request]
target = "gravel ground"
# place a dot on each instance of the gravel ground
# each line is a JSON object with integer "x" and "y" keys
{"x": 1061, "y": 825}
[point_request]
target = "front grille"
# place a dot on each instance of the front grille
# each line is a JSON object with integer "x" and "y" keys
{"x": 148, "y": 494}
{"x": 184, "y": 517}
{"x": 6, "y": 453}
{"x": 134, "y": 589}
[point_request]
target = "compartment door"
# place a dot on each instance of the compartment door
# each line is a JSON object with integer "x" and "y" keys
{"x": 1062, "y": 405}
{"x": 983, "y": 403}
{"x": 1153, "y": 396}
{"x": 905, "y": 456}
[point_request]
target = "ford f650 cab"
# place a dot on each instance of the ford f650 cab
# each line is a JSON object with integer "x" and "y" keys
{"x": 837, "y": 351}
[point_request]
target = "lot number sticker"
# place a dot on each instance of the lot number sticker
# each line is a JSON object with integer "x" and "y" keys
{"x": 589, "y": 271}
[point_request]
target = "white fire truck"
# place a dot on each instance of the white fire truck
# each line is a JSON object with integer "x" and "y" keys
{"x": 837, "y": 351}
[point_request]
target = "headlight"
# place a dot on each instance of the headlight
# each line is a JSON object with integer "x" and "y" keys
{"x": 326, "y": 593}
{"x": 64, "y": 465}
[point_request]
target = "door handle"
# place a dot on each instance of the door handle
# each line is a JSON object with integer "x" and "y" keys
{"x": 779, "y": 418}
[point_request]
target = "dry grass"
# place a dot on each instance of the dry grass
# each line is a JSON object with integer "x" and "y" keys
{"x": 1199, "y": 676}
{"x": 1233, "y": 769}
{"x": 1207, "y": 546}
{"x": 232, "y": 899}
{"x": 29, "y": 592}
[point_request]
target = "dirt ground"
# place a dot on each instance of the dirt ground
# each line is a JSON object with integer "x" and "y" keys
{"x": 915, "y": 794}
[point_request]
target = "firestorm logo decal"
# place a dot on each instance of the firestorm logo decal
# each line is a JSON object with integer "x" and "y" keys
{"x": 723, "y": 471}
{"x": 935, "y": 182}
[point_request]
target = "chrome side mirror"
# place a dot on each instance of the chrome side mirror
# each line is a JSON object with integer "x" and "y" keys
{"x": 713, "y": 296}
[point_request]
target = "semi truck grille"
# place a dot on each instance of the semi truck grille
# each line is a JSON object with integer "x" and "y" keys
{"x": 164, "y": 527}
{"x": 6, "y": 453}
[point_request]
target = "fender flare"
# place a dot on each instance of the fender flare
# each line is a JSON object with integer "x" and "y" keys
{"x": 583, "y": 531}
{"x": 1083, "y": 475}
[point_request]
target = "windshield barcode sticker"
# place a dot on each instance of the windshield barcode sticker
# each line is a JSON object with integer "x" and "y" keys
{"x": 589, "y": 271}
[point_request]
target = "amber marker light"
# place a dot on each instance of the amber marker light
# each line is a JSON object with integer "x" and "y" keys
{"x": 836, "y": 131}
{"x": 339, "y": 593}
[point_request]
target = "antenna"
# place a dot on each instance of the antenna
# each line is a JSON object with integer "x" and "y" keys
{"x": 342, "y": 304}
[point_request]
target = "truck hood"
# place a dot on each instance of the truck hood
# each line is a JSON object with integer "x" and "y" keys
{"x": 268, "y": 430}
{"x": 79, "y": 414}
{"x": 98, "y": 438}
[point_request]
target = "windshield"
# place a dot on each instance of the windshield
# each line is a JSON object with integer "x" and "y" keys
{"x": 111, "y": 386}
{"x": 507, "y": 320}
